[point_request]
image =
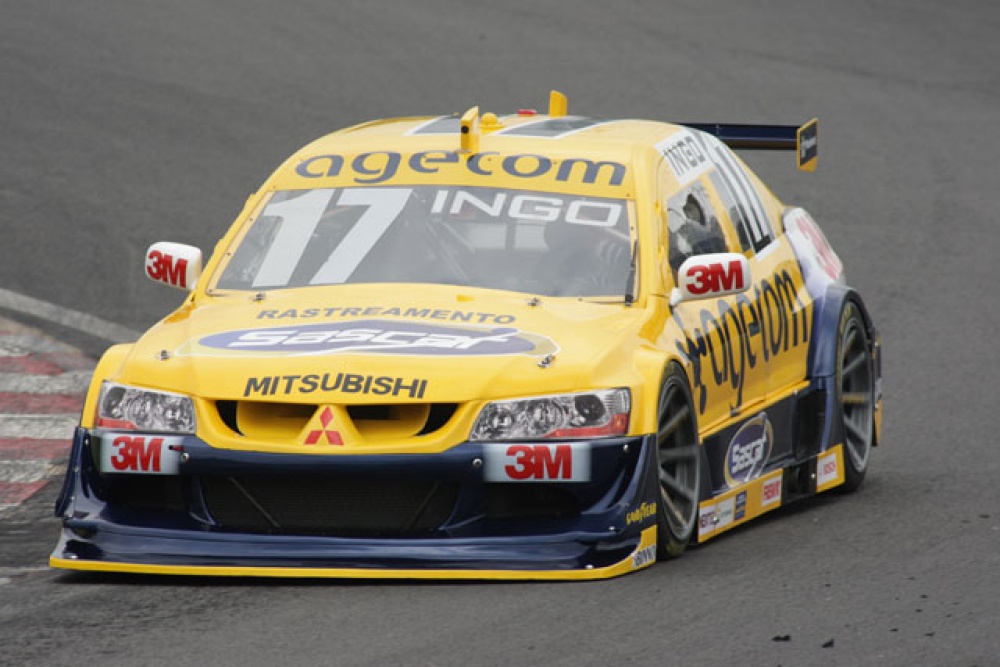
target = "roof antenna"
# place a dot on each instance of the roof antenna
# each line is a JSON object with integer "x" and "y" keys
{"x": 558, "y": 104}
{"x": 469, "y": 136}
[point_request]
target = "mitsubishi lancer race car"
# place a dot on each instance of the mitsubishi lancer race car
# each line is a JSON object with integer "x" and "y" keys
{"x": 525, "y": 346}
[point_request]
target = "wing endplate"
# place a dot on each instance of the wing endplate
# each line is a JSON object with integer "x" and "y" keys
{"x": 803, "y": 139}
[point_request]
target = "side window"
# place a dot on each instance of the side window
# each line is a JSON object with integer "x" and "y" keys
{"x": 694, "y": 227}
{"x": 740, "y": 197}
{"x": 691, "y": 155}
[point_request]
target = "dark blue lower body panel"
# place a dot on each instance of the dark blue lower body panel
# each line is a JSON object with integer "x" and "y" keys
{"x": 251, "y": 513}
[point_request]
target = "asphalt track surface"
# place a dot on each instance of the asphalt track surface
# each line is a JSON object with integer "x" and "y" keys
{"x": 124, "y": 123}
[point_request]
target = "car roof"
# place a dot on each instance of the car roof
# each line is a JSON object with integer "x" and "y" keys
{"x": 559, "y": 138}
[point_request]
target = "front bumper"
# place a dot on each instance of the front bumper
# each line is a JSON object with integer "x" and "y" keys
{"x": 238, "y": 513}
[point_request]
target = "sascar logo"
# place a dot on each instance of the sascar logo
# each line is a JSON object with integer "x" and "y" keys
{"x": 562, "y": 462}
{"x": 375, "y": 337}
{"x": 748, "y": 450}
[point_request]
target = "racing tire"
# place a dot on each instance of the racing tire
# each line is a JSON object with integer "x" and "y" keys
{"x": 855, "y": 395}
{"x": 679, "y": 461}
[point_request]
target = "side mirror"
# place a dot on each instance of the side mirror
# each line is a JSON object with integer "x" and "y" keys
{"x": 711, "y": 275}
{"x": 175, "y": 264}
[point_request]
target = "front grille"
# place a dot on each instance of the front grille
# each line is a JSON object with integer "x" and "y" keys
{"x": 322, "y": 505}
{"x": 283, "y": 423}
{"x": 527, "y": 501}
{"x": 144, "y": 493}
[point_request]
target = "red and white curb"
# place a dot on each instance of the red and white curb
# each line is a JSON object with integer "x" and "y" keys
{"x": 42, "y": 386}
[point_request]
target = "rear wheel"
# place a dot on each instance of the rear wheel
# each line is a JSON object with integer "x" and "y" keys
{"x": 855, "y": 395}
{"x": 678, "y": 457}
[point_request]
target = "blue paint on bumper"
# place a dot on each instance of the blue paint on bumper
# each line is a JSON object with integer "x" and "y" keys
{"x": 231, "y": 508}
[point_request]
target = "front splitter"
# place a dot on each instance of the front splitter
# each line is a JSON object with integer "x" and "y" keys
{"x": 641, "y": 557}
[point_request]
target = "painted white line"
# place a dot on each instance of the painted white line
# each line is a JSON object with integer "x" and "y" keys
{"x": 73, "y": 319}
{"x": 24, "y": 471}
{"x": 39, "y": 427}
{"x": 20, "y": 345}
{"x": 7, "y": 574}
{"x": 72, "y": 382}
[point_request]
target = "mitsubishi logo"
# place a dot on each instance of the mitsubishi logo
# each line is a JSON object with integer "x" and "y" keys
{"x": 332, "y": 436}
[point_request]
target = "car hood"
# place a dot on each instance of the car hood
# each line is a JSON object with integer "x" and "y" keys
{"x": 386, "y": 343}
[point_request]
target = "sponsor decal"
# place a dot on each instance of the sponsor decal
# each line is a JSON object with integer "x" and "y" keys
{"x": 706, "y": 519}
{"x": 820, "y": 264}
{"x": 748, "y": 450}
{"x": 771, "y": 492}
{"x": 372, "y": 337}
{"x": 175, "y": 264}
{"x": 741, "y": 505}
{"x": 325, "y": 434}
{"x": 826, "y": 469}
{"x": 644, "y": 556}
{"x": 562, "y": 462}
{"x": 140, "y": 454}
{"x": 700, "y": 275}
{"x": 166, "y": 268}
{"x": 333, "y": 312}
{"x": 808, "y": 144}
{"x": 641, "y": 513}
{"x": 345, "y": 383}
{"x": 724, "y": 513}
{"x": 383, "y": 166}
{"x": 506, "y": 206}
{"x": 722, "y": 349}
{"x": 685, "y": 157}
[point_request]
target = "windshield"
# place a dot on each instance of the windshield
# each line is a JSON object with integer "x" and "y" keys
{"x": 540, "y": 243}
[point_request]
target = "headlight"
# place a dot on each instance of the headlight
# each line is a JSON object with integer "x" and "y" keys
{"x": 584, "y": 415}
{"x": 132, "y": 408}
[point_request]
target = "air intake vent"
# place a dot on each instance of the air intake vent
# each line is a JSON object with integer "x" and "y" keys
{"x": 321, "y": 505}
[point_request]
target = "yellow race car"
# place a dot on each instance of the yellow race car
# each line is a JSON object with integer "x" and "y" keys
{"x": 525, "y": 346}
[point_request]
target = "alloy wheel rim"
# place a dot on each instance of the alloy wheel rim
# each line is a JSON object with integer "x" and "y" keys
{"x": 678, "y": 458}
{"x": 856, "y": 395}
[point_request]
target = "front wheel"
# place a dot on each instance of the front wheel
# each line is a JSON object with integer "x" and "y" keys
{"x": 855, "y": 395}
{"x": 678, "y": 457}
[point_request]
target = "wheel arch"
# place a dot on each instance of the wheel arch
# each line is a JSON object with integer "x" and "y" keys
{"x": 822, "y": 361}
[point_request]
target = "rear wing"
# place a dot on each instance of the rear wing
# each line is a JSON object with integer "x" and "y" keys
{"x": 802, "y": 139}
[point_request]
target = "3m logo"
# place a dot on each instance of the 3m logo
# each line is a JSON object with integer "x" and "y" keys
{"x": 142, "y": 454}
{"x": 717, "y": 277}
{"x": 331, "y": 436}
{"x": 771, "y": 493}
{"x": 714, "y": 274}
{"x": 540, "y": 462}
{"x": 136, "y": 453}
{"x": 563, "y": 462}
{"x": 175, "y": 264}
{"x": 166, "y": 269}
